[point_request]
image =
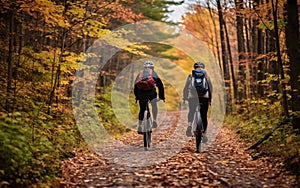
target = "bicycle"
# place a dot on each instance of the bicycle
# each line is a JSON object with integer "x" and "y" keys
{"x": 147, "y": 125}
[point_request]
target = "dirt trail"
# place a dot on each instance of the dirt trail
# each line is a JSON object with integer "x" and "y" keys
{"x": 223, "y": 163}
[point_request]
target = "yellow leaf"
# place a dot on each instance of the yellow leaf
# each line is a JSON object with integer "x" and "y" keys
{"x": 289, "y": 139}
{"x": 128, "y": 180}
{"x": 4, "y": 183}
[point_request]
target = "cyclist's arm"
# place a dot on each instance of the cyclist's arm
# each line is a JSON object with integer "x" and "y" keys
{"x": 160, "y": 85}
{"x": 161, "y": 90}
{"x": 210, "y": 88}
{"x": 135, "y": 89}
{"x": 186, "y": 88}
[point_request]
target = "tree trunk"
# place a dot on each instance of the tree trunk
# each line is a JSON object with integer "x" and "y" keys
{"x": 215, "y": 35}
{"x": 272, "y": 64}
{"x": 57, "y": 75}
{"x": 20, "y": 43}
{"x": 282, "y": 76}
{"x": 293, "y": 46}
{"x": 224, "y": 57}
{"x": 10, "y": 63}
{"x": 233, "y": 79}
{"x": 241, "y": 54}
{"x": 260, "y": 62}
{"x": 56, "y": 83}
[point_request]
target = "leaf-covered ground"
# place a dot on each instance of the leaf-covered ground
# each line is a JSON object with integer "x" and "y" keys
{"x": 223, "y": 163}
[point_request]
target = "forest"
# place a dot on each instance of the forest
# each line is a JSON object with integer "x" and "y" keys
{"x": 255, "y": 45}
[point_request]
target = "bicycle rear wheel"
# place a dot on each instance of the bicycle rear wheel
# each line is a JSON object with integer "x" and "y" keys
{"x": 198, "y": 133}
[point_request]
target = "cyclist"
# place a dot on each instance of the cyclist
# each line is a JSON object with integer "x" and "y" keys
{"x": 191, "y": 95}
{"x": 142, "y": 95}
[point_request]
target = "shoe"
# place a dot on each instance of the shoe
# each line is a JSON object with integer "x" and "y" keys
{"x": 154, "y": 124}
{"x": 140, "y": 130}
{"x": 189, "y": 131}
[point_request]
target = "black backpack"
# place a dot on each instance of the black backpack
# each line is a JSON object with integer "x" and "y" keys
{"x": 199, "y": 82}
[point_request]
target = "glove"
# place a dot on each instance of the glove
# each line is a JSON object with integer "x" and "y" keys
{"x": 184, "y": 99}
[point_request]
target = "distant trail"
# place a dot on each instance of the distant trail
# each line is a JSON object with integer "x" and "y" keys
{"x": 225, "y": 163}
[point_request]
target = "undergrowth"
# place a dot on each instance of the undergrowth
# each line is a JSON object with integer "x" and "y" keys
{"x": 32, "y": 146}
{"x": 260, "y": 119}
{"x": 107, "y": 115}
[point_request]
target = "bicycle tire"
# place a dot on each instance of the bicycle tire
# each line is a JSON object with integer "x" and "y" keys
{"x": 147, "y": 130}
{"x": 198, "y": 132}
{"x": 147, "y": 140}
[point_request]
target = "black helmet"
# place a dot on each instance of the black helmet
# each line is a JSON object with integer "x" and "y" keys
{"x": 199, "y": 64}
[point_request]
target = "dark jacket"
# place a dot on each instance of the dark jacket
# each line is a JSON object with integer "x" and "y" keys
{"x": 158, "y": 84}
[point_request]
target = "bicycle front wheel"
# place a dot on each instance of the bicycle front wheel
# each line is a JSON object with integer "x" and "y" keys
{"x": 147, "y": 130}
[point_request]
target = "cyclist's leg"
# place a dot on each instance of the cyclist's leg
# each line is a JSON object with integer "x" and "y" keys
{"x": 192, "y": 108}
{"x": 154, "y": 106}
{"x": 203, "y": 111}
{"x": 154, "y": 109}
{"x": 142, "y": 104}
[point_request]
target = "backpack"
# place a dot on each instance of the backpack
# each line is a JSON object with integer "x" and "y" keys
{"x": 199, "y": 82}
{"x": 145, "y": 80}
